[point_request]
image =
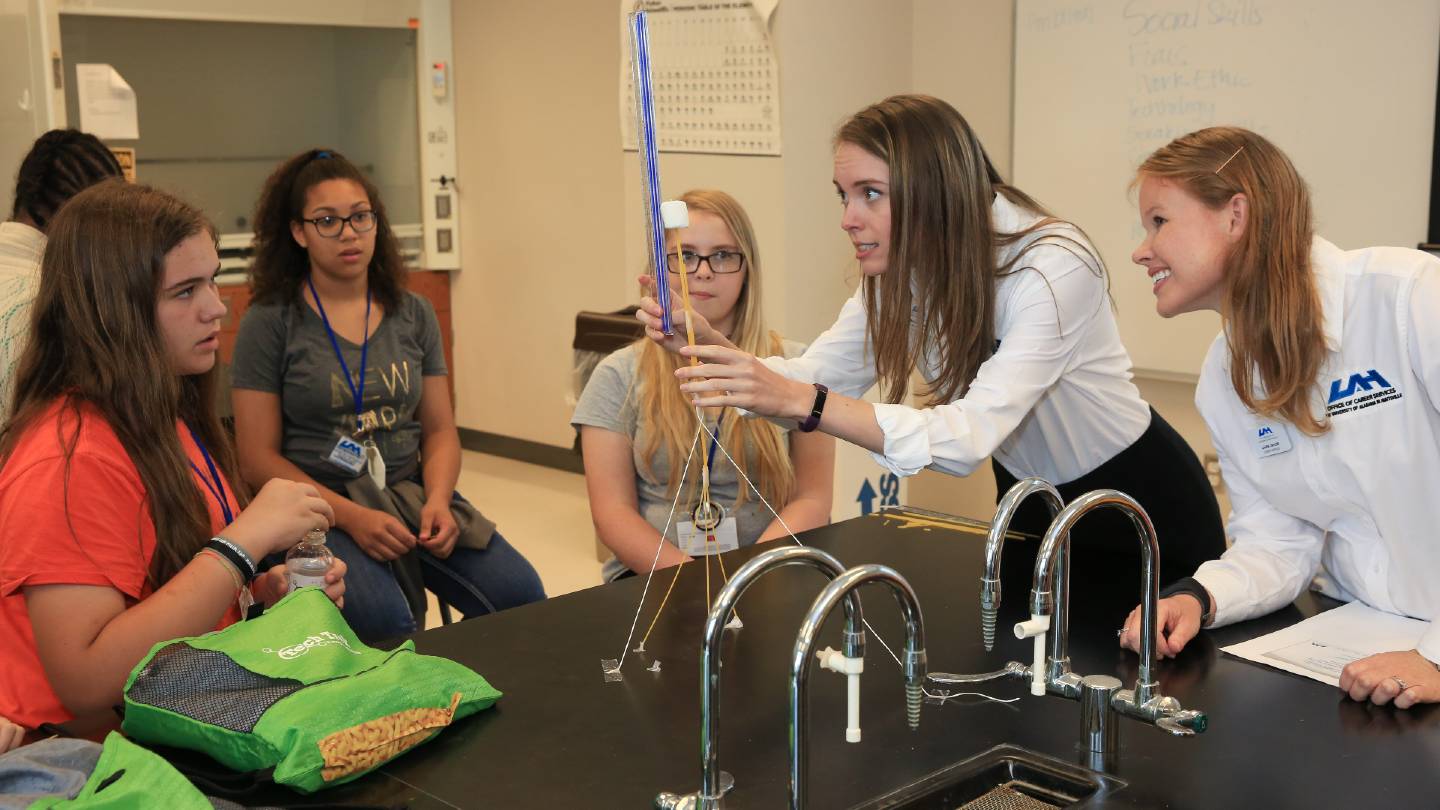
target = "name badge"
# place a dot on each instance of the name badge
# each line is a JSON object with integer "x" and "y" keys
{"x": 348, "y": 455}
{"x": 1271, "y": 439}
{"x": 700, "y": 543}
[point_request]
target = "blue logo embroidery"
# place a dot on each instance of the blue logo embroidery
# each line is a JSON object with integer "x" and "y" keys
{"x": 1359, "y": 391}
{"x": 1362, "y": 382}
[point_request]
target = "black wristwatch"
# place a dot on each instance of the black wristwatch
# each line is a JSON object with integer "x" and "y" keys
{"x": 1193, "y": 587}
{"x": 813, "y": 420}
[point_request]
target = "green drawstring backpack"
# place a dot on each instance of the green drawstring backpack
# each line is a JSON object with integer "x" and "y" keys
{"x": 128, "y": 777}
{"x": 294, "y": 692}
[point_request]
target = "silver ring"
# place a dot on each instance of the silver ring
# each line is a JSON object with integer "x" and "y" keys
{"x": 1402, "y": 684}
{"x": 1120, "y": 632}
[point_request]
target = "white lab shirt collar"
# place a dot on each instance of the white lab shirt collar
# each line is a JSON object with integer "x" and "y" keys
{"x": 1327, "y": 262}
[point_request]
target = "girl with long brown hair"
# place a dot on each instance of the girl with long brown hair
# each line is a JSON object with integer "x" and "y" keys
{"x": 121, "y": 519}
{"x": 1320, "y": 394}
{"x": 340, "y": 380}
{"x": 1004, "y": 310}
{"x": 637, "y": 429}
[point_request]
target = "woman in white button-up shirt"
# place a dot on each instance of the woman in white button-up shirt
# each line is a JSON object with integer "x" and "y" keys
{"x": 1004, "y": 310}
{"x": 1320, "y": 396}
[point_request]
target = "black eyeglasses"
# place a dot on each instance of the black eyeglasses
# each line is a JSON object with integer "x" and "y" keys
{"x": 330, "y": 225}
{"x": 721, "y": 262}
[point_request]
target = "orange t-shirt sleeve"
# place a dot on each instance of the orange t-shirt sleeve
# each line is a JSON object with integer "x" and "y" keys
{"x": 105, "y": 542}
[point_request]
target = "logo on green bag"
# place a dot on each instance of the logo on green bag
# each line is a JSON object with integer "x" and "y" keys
{"x": 325, "y": 638}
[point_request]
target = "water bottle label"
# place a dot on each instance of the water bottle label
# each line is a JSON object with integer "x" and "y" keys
{"x": 298, "y": 581}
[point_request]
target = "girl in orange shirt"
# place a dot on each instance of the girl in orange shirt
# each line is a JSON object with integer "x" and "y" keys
{"x": 121, "y": 523}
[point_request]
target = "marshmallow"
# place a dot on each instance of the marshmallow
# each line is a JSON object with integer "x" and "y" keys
{"x": 674, "y": 214}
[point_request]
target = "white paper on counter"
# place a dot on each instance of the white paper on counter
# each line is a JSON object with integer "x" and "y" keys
{"x": 107, "y": 103}
{"x": 1322, "y": 645}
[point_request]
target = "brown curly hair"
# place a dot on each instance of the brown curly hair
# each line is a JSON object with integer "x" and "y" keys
{"x": 281, "y": 265}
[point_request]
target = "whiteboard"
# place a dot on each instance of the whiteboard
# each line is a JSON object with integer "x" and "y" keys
{"x": 1346, "y": 89}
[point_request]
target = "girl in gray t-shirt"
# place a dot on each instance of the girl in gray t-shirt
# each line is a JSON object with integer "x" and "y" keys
{"x": 636, "y": 428}
{"x": 335, "y": 353}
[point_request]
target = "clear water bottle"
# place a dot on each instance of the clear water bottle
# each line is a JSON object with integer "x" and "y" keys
{"x": 308, "y": 562}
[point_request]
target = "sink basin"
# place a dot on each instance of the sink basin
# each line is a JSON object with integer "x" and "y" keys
{"x": 1006, "y": 777}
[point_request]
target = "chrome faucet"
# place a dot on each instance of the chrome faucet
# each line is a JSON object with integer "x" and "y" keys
{"x": 995, "y": 543}
{"x": 843, "y": 587}
{"x": 714, "y": 783}
{"x": 1049, "y": 605}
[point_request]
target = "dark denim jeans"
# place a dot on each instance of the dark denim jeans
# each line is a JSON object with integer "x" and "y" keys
{"x": 473, "y": 581}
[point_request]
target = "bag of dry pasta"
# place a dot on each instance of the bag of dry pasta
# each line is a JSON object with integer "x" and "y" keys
{"x": 294, "y": 693}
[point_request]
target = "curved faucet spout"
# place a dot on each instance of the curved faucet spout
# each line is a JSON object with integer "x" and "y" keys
{"x": 914, "y": 662}
{"x": 995, "y": 542}
{"x": 1054, "y": 550}
{"x": 711, "y": 788}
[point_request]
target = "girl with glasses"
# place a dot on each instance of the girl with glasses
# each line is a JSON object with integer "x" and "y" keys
{"x": 1320, "y": 394}
{"x": 339, "y": 379}
{"x": 1004, "y": 311}
{"x": 122, "y": 518}
{"x": 637, "y": 429}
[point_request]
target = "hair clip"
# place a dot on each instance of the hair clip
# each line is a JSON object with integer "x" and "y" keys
{"x": 323, "y": 153}
{"x": 1232, "y": 157}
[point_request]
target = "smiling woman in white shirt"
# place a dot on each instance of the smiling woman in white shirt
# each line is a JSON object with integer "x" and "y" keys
{"x": 1320, "y": 395}
{"x": 1004, "y": 310}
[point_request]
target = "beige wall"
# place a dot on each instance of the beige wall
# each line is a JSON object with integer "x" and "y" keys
{"x": 551, "y": 206}
{"x": 540, "y": 201}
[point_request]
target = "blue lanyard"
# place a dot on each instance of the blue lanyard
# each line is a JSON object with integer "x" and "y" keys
{"x": 359, "y": 393}
{"x": 714, "y": 442}
{"x": 213, "y": 482}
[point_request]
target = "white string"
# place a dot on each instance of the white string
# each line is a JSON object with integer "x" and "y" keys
{"x": 678, "y": 493}
{"x": 786, "y": 527}
{"x": 661, "y": 547}
{"x": 943, "y": 698}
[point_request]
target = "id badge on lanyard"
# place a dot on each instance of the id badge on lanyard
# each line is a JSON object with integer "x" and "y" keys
{"x": 710, "y": 530}
{"x": 358, "y": 452}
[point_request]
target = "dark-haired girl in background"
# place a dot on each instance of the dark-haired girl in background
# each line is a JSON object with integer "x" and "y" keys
{"x": 61, "y": 164}
{"x": 340, "y": 379}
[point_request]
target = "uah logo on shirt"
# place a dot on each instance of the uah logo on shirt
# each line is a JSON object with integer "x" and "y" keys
{"x": 1357, "y": 391}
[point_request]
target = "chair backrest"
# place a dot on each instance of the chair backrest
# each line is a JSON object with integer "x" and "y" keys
{"x": 597, "y": 334}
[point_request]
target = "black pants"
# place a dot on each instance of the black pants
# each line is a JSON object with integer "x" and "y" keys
{"x": 1161, "y": 472}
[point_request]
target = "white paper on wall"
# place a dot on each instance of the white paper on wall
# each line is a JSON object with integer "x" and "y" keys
{"x": 107, "y": 103}
{"x": 715, "y": 77}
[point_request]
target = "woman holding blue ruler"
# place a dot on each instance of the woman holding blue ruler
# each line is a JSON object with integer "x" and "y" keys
{"x": 340, "y": 379}
{"x": 1003, "y": 309}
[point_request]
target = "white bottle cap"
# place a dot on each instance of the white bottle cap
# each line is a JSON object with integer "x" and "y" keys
{"x": 674, "y": 214}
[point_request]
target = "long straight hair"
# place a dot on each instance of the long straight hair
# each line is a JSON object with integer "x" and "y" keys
{"x": 95, "y": 341}
{"x": 669, "y": 418}
{"x": 1274, "y": 324}
{"x": 943, "y": 245}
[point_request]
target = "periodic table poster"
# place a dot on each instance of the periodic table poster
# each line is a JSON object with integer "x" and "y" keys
{"x": 714, "y": 75}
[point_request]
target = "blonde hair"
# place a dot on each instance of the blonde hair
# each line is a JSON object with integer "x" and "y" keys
{"x": 1270, "y": 303}
{"x": 668, "y": 417}
{"x": 942, "y": 243}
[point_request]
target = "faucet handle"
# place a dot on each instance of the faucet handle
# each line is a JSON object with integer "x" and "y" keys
{"x": 1184, "y": 723}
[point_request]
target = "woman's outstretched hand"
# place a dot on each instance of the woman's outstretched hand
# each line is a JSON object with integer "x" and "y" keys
{"x": 728, "y": 376}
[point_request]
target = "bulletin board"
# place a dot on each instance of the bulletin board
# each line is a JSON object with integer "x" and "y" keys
{"x": 715, "y": 75}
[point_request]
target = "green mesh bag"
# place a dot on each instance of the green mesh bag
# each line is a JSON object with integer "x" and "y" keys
{"x": 294, "y": 692}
